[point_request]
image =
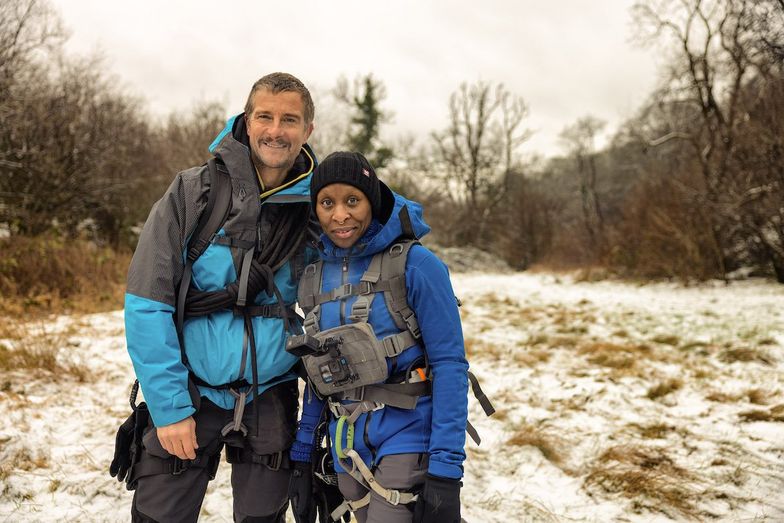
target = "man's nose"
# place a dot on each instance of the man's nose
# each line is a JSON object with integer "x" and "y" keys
{"x": 274, "y": 128}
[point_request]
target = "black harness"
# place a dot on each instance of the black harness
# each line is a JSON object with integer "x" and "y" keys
{"x": 289, "y": 232}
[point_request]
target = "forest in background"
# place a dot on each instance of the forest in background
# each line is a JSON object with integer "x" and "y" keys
{"x": 691, "y": 187}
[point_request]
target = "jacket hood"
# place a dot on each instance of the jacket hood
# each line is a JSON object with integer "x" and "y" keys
{"x": 232, "y": 146}
{"x": 405, "y": 220}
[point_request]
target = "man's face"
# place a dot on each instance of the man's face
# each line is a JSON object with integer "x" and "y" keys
{"x": 277, "y": 129}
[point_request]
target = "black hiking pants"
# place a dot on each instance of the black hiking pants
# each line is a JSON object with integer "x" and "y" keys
{"x": 260, "y": 488}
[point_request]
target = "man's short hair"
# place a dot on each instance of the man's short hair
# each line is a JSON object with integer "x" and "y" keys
{"x": 283, "y": 82}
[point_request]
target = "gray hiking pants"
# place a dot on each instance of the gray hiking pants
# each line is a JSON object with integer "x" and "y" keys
{"x": 260, "y": 493}
{"x": 404, "y": 472}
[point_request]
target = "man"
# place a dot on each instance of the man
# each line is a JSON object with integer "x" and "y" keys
{"x": 226, "y": 350}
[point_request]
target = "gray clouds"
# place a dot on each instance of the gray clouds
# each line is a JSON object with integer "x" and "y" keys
{"x": 566, "y": 58}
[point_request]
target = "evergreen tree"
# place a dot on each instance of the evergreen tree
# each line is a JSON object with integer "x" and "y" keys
{"x": 363, "y": 135}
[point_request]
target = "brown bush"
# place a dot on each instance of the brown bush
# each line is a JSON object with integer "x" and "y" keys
{"x": 48, "y": 274}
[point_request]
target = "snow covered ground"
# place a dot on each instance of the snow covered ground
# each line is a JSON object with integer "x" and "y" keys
{"x": 616, "y": 402}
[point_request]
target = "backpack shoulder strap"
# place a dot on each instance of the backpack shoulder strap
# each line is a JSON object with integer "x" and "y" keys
{"x": 309, "y": 289}
{"x": 212, "y": 218}
{"x": 215, "y": 212}
{"x": 393, "y": 271}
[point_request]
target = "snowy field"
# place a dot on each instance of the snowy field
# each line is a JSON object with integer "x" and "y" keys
{"x": 616, "y": 402}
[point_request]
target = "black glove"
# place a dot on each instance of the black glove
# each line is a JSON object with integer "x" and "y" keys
{"x": 439, "y": 501}
{"x": 303, "y": 502}
{"x": 122, "y": 449}
{"x": 128, "y": 442}
{"x": 325, "y": 486}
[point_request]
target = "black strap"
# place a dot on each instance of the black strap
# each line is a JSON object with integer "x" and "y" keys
{"x": 480, "y": 395}
{"x": 405, "y": 223}
{"x": 230, "y": 241}
{"x": 273, "y": 310}
{"x": 400, "y": 395}
{"x": 218, "y": 197}
{"x": 234, "y": 385}
{"x": 152, "y": 465}
{"x": 274, "y": 461}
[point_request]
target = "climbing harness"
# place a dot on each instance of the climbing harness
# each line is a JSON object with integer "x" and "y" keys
{"x": 289, "y": 232}
{"x": 349, "y": 362}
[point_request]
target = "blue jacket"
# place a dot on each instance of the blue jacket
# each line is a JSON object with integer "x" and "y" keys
{"x": 213, "y": 343}
{"x": 437, "y": 425}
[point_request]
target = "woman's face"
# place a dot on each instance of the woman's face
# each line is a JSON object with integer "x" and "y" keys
{"x": 344, "y": 213}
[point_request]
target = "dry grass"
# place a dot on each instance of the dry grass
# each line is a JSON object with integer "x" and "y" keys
{"x": 613, "y": 355}
{"x": 759, "y": 396}
{"x": 775, "y": 414}
{"x": 647, "y": 477}
{"x": 664, "y": 388}
{"x": 531, "y": 357}
{"x": 745, "y": 355}
{"x": 26, "y": 348}
{"x": 754, "y": 396}
{"x": 22, "y": 459}
{"x": 694, "y": 345}
{"x": 654, "y": 430}
{"x": 564, "y": 341}
{"x": 476, "y": 348}
{"x": 722, "y": 397}
{"x": 703, "y": 374}
{"x": 552, "y": 447}
{"x": 666, "y": 339}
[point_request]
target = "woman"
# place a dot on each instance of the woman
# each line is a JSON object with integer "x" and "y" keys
{"x": 398, "y": 426}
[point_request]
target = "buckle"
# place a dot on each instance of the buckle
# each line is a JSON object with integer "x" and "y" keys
{"x": 336, "y": 407}
{"x": 179, "y": 466}
{"x": 413, "y": 325}
{"x": 391, "y": 347}
{"x": 395, "y": 495}
{"x": 360, "y": 311}
{"x": 311, "y": 321}
{"x": 274, "y": 461}
{"x": 346, "y": 290}
{"x": 365, "y": 287}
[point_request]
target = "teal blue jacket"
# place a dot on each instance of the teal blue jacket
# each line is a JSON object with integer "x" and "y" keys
{"x": 213, "y": 343}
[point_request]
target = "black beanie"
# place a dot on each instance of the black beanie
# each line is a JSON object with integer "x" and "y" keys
{"x": 352, "y": 169}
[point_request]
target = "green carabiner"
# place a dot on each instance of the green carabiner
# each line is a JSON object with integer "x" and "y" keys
{"x": 339, "y": 437}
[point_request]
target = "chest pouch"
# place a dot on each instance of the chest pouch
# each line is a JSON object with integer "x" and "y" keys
{"x": 347, "y": 357}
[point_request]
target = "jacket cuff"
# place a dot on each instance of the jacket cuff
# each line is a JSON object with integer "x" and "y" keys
{"x": 300, "y": 451}
{"x": 179, "y": 408}
{"x": 444, "y": 470}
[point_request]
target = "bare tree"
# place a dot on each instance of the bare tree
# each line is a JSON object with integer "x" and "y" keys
{"x": 81, "y": 147}
{"x": 579, "y": 140}
{"x": 721, "y": 47}
{"x": 26, "y": 27}
{"x": 184, "y": 139}
{"x": 477, "y": 151}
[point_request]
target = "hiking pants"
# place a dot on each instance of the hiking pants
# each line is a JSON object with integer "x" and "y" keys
{"x": 404, "y": 472}
{"x": 260, "y": 492}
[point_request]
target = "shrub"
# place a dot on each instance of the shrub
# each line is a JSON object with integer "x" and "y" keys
{"x": 51, "y": 274}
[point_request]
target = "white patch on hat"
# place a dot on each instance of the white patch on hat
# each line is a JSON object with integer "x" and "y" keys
{"x": 366, "y": 172}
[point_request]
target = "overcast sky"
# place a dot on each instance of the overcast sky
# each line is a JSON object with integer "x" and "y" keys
{"x": 567, "y": 58}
